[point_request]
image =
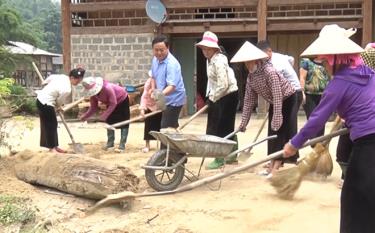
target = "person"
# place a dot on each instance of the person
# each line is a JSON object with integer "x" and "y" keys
{"x": 351, "y": 94}
{"x": 57, "y": 88}
{"x": 117, "y": 101}
{"x": 166, "y": 71}
{"x": 284, "y": 65}
{"x": 221, "y": 91}
{"x": 148, "y": 105}
{"x": 368, "y": 56}
{"x": 264, "y": 80}
{"x": 314, "y": 78}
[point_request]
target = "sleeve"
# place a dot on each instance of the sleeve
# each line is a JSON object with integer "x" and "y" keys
{"x": 304, "y": 64}
{"x": 277, "y": 101}
{"x": 112, "y": 103}
{"x": 328, "y": 104}
{"x": 146, "y": 89}
{"x": 222, "y": 81}
{"x": 92, "y": 109}
{"x": 173, "y": 74}
{"x": 249, "y": 102}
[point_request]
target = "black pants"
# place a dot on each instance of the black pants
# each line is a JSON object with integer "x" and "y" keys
{"x": 221, "y": 115}
{"x": 121, "y": 113}
{"x": 358, "y": 191}
{"x": 170, "y": 116}
{"x": 287, "y": 130}
{"x": 152, "y": 123}
{"x": 48, "y": 125}
{"x": 311, "y": 102}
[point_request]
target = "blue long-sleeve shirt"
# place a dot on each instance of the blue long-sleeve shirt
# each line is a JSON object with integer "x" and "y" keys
{"x": 168, "y": 72}
{"x": 351, "y": 93}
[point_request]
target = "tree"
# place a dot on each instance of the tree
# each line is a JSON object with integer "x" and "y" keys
{"x": 44, "y": 16}
{"x": 11, "y": 28}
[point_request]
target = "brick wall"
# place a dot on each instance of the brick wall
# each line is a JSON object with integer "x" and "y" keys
{"x": 124, "y": 58}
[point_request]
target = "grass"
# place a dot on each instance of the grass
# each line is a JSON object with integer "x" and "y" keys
{"x": 13, "y": 210}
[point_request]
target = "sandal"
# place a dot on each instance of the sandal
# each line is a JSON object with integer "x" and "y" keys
{"x": 59, "y": 150}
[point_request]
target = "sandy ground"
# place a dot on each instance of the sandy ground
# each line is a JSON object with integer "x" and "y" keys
{"x": 243, "y": 202}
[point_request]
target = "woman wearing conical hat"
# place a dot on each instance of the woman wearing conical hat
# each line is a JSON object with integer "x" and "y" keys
{"x": 351, "y": 94}
{"x": 263, "y": 80}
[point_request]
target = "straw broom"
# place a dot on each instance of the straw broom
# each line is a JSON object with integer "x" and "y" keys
{"x": 324, "y": 166}
{"x": 287, "y": 181}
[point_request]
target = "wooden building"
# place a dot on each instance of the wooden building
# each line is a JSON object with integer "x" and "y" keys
{"x": 25, "y": 74}
{"x": 113, "y": 38}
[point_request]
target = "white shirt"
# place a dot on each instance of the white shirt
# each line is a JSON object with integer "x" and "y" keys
{"x": 282, "y": 64}
{"x": 57, "y": 90}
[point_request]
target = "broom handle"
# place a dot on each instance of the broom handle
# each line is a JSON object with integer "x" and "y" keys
{"x": 193, "y": 117}
{"x": 129, "y": 195}
{"x": 261, "y": 127}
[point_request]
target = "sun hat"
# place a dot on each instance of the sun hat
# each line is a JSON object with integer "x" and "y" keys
{"x": 248, "y": 52}
{"x": 92, "y": 85}
{"x": 209, "y": 39}
{"x": 333, "y": 40}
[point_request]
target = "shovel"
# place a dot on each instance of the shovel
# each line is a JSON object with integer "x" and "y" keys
{"x": 160, "y": 103}
{"x": 245, "y": 155}
{"x": 77, "y": 147}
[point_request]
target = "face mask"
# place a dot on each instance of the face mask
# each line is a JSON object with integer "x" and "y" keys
{"x": 252, "y": 70}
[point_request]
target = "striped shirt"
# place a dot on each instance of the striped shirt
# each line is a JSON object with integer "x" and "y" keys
{"x": 272, "y": 86}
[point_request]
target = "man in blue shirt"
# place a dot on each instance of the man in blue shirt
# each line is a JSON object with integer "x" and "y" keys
{"x": 166, "y": 71}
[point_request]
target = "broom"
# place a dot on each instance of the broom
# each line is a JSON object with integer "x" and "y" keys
{"x": 324, "y": 166}
{"x": 287, "y": 181}
{"x": 127, "y": 196}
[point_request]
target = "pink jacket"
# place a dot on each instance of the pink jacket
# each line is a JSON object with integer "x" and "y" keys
{"x": 146, "y": 101}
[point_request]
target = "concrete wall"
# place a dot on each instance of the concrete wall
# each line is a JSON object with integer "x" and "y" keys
{"x": 124, "y": 58}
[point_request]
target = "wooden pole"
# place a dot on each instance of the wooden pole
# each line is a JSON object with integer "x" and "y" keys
{"x": 367, "y": 22}
{"x": 65, "y": 27}
{"x": 262, "y": 35}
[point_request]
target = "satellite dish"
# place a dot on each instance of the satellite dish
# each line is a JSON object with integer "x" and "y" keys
{"x": 156, "y": 11}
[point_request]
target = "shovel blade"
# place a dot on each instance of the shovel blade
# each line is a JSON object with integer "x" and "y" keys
{"x": 78, "y": 148}
{"x": 244, "y": 155}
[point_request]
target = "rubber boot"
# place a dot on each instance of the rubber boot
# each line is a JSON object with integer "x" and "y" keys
{"x": 110, "y": 140}
{"x": 124, "y": 137}
{"x": 233, "y": 158}
{"x": 217, "y": 163}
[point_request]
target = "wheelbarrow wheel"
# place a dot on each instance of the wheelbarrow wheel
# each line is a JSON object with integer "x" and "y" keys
{"x": 164, "y": 180}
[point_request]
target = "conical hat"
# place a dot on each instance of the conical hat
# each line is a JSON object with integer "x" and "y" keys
{"x": 248, "y": 52}
{"x": 333, "y": 40}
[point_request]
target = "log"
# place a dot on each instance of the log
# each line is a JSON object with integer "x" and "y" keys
{"x": 78, "y": 175}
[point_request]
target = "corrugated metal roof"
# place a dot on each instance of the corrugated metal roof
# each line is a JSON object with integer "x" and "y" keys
{"x": 24, "y": 48}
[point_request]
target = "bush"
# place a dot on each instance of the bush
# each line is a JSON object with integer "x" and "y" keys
{"x": 22, "y": 101}
{"x": 14, "y": 210}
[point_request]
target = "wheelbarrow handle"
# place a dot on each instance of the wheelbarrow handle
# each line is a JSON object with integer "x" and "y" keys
{"x": 251, "y": 145}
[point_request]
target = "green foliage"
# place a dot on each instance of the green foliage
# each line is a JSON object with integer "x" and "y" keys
{"x": 44, "y": 17}
{"x": 14, "y": 210}
{"x": 16, "y": 97}
{"x": 5, "y": 88}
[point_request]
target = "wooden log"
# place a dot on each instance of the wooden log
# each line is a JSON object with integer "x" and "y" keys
{"x": 78, "y": 175}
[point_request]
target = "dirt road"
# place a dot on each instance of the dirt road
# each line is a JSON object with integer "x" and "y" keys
{"x": 241, "y": 203}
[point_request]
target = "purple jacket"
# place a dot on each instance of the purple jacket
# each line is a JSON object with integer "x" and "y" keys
{"x": 110, "y": 95}
{"x": 351, "y": 93}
